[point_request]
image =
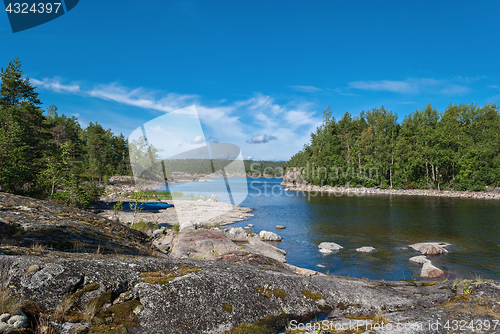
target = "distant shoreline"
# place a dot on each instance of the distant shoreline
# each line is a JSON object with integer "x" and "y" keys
{"x": 360, "y": 191}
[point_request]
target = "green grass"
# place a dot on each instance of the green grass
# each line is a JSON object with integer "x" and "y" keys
{"x": 144, "y": 226}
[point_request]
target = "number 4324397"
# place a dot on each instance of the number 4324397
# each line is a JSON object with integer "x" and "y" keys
{"x": 40, "y": 8}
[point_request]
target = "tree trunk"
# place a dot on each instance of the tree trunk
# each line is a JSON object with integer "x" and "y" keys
{"x": 390, "y": 169}
{"x": 390, "y": 175}
{"x": 426, "y": 171}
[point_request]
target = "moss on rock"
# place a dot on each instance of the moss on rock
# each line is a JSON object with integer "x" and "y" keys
{"x": 123, "y": 314}
{"x": 227, "y": 307}
{"x": 88, "y": 288}
{"x": 267, "y": 292}
{"x": 165, "y": 276}
{"x": 312, "y": 295}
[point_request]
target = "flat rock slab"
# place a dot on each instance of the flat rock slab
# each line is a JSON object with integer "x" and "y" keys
{"x": 200, "y": 213}
{"x": 280, "y": 227}
{"x": 256, "y": 245}
{"x": 366, "y": 249}
{"x": 419, "y": 259}
{"x": 209, "y": 244}
{"x": 201, "y": 244}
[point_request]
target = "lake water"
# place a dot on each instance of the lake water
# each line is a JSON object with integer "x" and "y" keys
{"x": 388, "y": 223}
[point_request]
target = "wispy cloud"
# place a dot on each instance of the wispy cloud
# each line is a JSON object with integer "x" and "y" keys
{"x": 413, "y": 86}
{"x": 306, "y": 89}
{"x": 262, "y": 139}
{"x": 342, "y": 92}
{"x": 455, "y": 90}
{"x": 56, "y": 86}
{"x": 222, "y": 119}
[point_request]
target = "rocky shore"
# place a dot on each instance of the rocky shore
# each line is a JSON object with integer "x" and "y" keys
{"x": 292, "y": 181}
{"x": 75, "y": 272}
{"x": 150, "y": 295}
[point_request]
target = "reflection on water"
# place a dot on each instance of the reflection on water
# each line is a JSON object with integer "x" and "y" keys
{"x": 388, "y": 223}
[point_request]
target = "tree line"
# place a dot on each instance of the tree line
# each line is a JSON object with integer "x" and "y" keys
{"x": 44, "y": 154}
{"x": 456, "y": 149}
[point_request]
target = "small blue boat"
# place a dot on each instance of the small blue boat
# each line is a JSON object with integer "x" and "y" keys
{"x": 146, "y": 205}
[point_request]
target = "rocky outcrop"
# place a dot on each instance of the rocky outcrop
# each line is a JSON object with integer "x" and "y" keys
{"x": 430, "y": 248}
{"x": 201, "y": 244}
{"x": 329, "y": 247}
{"x": 147, "y": 295}
{"x": 269, "y": 236}
{"x": 187, "y": 225}
{"x": 237, "y": 234}
{"x": 257, "y": 246}
{"x": 10, "y": 322}
{"x": 25, "y": 222}
{"x": 209, "y": 244}
{"x": 428, "y": 269}
{"x": 294, "y": 178}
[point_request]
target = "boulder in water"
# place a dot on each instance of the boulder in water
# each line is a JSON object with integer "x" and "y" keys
{"x": 366, "y": 249}
{"x": 430, "y": 271}
{"x": 329, "y": 247}
{"x": 430, "y": 248}
{"x": 269, "y": 236}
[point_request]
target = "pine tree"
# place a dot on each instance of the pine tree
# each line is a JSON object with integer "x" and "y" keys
{"x": 23, "y": 125}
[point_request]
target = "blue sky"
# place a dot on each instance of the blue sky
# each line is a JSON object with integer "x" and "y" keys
{"x": 260, "y": 73}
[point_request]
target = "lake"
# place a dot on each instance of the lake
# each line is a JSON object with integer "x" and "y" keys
{"x": 388, "y": 223}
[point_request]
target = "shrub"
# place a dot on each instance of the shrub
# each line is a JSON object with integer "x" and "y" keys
{"x": 9, "y": 303}
{"x": 176, "y": 228}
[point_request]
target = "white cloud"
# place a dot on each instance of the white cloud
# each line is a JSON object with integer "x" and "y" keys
{"x": 413, "y": 86}
{"x": 262, "y": 139}
{"x": 298, "y": 118}
{"x": 306, "y": 89}
{"x": 197, "y": 140}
